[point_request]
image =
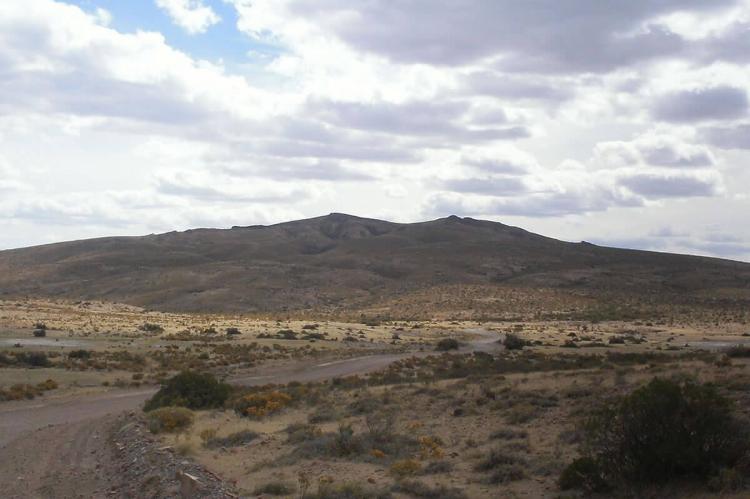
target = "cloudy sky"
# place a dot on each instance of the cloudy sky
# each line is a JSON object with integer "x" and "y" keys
{"x": 622, "y": 123}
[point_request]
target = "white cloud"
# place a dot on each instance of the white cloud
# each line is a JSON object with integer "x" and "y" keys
{"x": 608, "y": 110}
{"x": 191, "y": 15}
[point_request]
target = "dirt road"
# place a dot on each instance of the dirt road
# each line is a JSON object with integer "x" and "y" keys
{"x": 57, "y": 447}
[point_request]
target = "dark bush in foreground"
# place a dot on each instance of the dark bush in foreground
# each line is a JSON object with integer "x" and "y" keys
{"x": 660, "y": 432}
{"x": 191, "y": 389}
{"x": 584, "y": 473}
{"x": 447, "y": 344}
{"x": 514, "y": 342}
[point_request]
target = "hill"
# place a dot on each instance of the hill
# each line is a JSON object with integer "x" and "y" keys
{"x": 342, "y": 262}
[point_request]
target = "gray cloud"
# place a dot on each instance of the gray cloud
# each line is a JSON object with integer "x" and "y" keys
{"x": 419, "y": 119}
{"x": 280, "y": 169}
{"x": 655, "y": 186}
{"x": 509, "y": 87}
{"x": 717, "y": 103}
{"x": 736, "y": 137}
{"x": 534, "y": 205}
{"x": 526, "y": 36}
{"x": 671, "y": 155}
{"x": 493, "y": 186}
{"x": 185, "y": 186}
{"x": 501, "y": 166}
{"x": 731, "y": 45}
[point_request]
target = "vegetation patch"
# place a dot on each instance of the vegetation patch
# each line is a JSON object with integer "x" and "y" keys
{"x": 191, "y": 389}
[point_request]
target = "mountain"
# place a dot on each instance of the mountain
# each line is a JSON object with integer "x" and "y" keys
{"x": 344, "y": 262}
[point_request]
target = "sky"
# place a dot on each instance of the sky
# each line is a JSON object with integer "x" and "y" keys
{"x": 619, "y": 123}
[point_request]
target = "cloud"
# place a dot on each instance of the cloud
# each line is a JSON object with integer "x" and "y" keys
{"x": 653, "y": 149}
{"x": 729, "y": 137}
{"x": 491, "y": 186}
{"x": 446, "y": 120}
{"x": 515, "y": 163}
{"x": 552, "y": 204}
{"x": 290, "y": 169}
{"x": 715, "y": 103}
{"x": 206, "y": 186}
{"x": 590, "y": 36}
{"x": 512, "y": 87}
{"x": 191, "y": 15}
{"x": 657, "y": 186}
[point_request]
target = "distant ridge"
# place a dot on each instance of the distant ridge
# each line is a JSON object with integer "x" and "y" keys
{"x": 340, "y": 261}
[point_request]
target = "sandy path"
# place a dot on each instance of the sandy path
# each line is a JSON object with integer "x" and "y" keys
{"x": 56, "y": 447}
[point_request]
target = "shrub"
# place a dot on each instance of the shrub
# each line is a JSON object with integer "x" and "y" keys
{"x": 192, "y": 390}
{"x": 583, "y": 473}
{"x": 346, "y": 491}
{"x": 415, "y": 488}
{"x": 233, "y": 331}
{"x": 514, "y": 342}
{"x": 437, "y": 467}
{"x": 33, "y": 359}
{"x": 405, "y": 467}
{"x": 663, "y": 431}
{"x": 151, "y": 328}
{"x": 300, "y": 432}
{"x": 237, "y": 439}
{"x": 447, "y": 344}
{"x": 258, "y": 405}
{"x": 169, "y": 419}
{"x": 47, "y": 385}
{"x": 738, "y": 351}
{"x": 79, "y": 354}
{"x": 275, "y": 489}
{"x": 505, "y": 467}
{"x": 286, "y": 334}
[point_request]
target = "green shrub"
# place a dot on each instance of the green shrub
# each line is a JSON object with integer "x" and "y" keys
{"x": 192, "y": 390}
{"x": 169, "y": 420}
{"x": 447, "y": 344}
{"x": 664, "y": 431}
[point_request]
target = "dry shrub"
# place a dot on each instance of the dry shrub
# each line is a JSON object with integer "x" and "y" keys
{"x": 170, "y": 420}
{"x": 258, "y": 405}
{"x": 405, "y": 467}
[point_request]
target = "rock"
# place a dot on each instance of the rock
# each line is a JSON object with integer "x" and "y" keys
{"x": 190, "y": 486}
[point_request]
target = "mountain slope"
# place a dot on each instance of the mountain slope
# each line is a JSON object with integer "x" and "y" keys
{"x": 342, "y": 261}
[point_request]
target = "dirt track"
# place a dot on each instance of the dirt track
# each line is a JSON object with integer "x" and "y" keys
{"x": 58, "y": 447}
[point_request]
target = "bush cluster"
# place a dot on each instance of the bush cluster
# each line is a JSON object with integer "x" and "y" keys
{"x": 191, "y": 389}
{"x": 661, "y": 432}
